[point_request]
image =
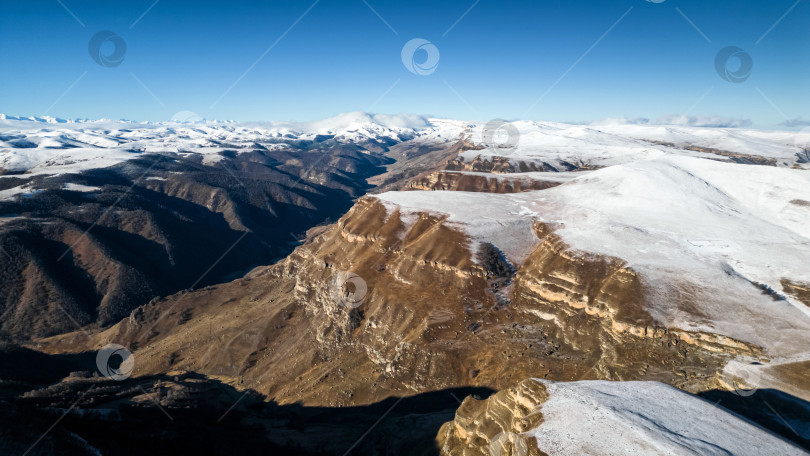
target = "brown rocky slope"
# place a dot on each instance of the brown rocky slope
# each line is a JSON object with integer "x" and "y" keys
{"x": 432, "y": 319}
{"x": 596, "y": 417}
{"x": 91, "y": 257}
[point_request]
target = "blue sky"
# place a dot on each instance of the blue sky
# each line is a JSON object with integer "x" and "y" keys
{"x": 591, "y": 59}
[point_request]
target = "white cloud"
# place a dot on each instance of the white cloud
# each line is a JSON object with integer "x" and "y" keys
{"x": 347, "y": 120}
{"x": 679, "y": 120}
{"x": 797, "y": 122}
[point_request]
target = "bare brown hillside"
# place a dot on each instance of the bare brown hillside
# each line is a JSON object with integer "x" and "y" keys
{"x": 432, "y": 319}
{"x": 155, "y": 225}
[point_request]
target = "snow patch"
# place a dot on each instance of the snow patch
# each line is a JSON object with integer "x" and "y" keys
{"x": 644, "y": 418}
{"x": 680, "y": 222}
{"x": 80, "y": 188}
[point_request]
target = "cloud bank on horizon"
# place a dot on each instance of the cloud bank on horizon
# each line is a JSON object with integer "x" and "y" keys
{"x": 359, "y": 119}
{"x": 678, "y": 120}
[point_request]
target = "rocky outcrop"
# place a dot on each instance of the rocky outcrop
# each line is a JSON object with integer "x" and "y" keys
{"x": 496, "y": 426}
{"x": 506, "y": 165}
{"x": 597, "y": 417}
{"x": 735, "y": 157}
{"x": 431, "y": 318}
{"x": 414, "y": 160}
{"x": 800, "y": 290}
{"x": 465, "y": 182}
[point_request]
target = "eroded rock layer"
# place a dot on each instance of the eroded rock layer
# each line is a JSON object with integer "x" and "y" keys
{"x": 432, "y": 318}
{"x": 468, "y": 182}
{"x": 596, "y": 417}
{"x": 496, "y": 425}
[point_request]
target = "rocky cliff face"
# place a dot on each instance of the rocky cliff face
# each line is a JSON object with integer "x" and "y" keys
{"x": 426, "y": 294}
{"x": 474, "y": 182}
{"x": 595, "y": 417}
{"x": 496, "y": 165}
{"x": 496, "y": 426}
{"x": 432, "y": 318}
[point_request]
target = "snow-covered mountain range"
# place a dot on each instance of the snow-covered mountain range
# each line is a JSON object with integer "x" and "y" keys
{"x": 625, "y": 251}
{"x": 35, "y": 144}
{"x": 672, "y": 201}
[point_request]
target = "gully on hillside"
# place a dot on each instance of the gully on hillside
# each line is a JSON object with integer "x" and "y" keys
{"x": 89, "y": 246}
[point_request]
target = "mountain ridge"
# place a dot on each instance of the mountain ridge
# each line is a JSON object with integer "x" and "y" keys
{"x": 662, "y": 258}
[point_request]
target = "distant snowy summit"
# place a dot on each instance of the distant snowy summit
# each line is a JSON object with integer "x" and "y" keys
{"x": 346, "y": 121}
{"x": 28, "y": 142}
{"x": 355, "y": 125}
{"x": 59, "y": 120}
{"x": 43, "y": 119}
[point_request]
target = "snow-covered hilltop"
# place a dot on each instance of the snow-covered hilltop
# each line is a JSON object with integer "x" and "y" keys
{"x": 681, "y": 205}
{"x": 54, "y": 146}
{"x": 695, "y": 229}
{"x": 604, "y": 418}
{"x": 597, "y": 145}
{"x": 721, "y": 248}
{"x": 491, "y": 253}
{"x": 47, "y": 145}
